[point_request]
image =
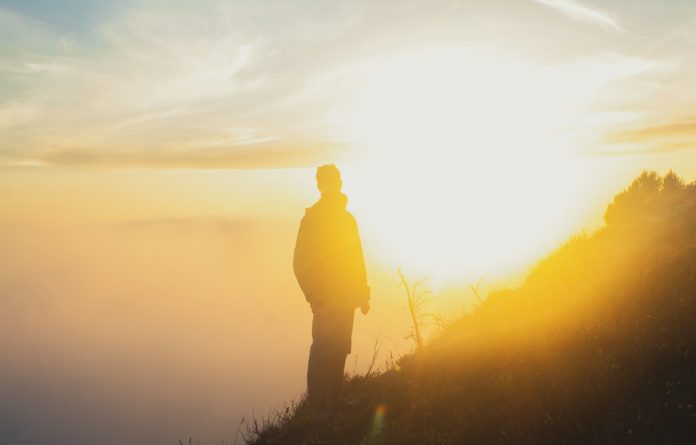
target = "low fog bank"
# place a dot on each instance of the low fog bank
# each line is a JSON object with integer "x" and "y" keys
{"x": 147, "y": 332}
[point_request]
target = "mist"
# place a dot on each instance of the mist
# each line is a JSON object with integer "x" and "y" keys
{"x": 147, "y": 331}
{"x": 151, "y": 331}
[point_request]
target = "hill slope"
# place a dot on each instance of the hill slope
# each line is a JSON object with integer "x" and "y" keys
{"x": 597, "y": 346}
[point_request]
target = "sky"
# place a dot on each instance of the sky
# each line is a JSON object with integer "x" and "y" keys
{"x": 269, "y": 84}
{"x": 464, "y": 111}
{"x": 157, "y": 156}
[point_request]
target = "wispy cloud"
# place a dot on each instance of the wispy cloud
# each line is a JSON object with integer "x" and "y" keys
{"x": 642, "y": 150}
{"x": 583, "y": 13}
{"x": 239, "y": 76}
{"x": 675, "y": 130}
{"x": 164, "y": 87}
{"x": 649, "y": 140}
{"x": 275, "y": 154}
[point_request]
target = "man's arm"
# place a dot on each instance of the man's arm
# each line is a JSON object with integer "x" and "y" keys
{"x": 360, "y": 270}
{"x": 301, "y": 260}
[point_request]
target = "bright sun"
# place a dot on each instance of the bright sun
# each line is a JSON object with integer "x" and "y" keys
{"x": 469, "y": 161}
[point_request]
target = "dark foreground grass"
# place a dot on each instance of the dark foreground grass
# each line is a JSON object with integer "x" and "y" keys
{"x": 597, "y": 346}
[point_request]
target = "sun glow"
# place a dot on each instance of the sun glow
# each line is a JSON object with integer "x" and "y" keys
{"x": 470, "y": 161}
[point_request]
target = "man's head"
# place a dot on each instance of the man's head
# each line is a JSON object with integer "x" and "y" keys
{"x": 329, "y": 179}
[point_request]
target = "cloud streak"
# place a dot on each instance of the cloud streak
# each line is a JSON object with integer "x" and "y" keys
{"x": 649, "y": 140}
{"x": 275, "y": 154}
{"x": 583, "y": 13}
{"x": 668, "y": 131}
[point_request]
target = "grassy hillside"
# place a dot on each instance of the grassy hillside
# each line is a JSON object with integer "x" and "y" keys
{"x": 597, "y": 346}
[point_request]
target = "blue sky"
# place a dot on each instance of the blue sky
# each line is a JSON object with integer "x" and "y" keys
{"x": 66, "y": 16}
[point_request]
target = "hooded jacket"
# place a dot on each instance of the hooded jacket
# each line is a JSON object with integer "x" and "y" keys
{"x": 328, "y": 259}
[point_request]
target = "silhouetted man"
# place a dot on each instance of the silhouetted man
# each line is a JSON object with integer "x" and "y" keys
{"x": 330, "y": 269}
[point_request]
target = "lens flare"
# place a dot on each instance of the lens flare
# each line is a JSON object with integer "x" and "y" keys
{"x": 377, "y": 424}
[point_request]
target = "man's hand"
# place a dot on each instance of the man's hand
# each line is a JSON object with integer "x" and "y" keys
{"x": 365, "y": 307}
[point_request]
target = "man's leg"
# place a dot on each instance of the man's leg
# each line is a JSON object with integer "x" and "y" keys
{"x": 314, "y": 377}
{"x": 342, "y": 333}
{"x": 338, "y": 362}
{"x": 331, "y": 334}
{"x": 320, "y": 377}
{"x": 318, "y": 366}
